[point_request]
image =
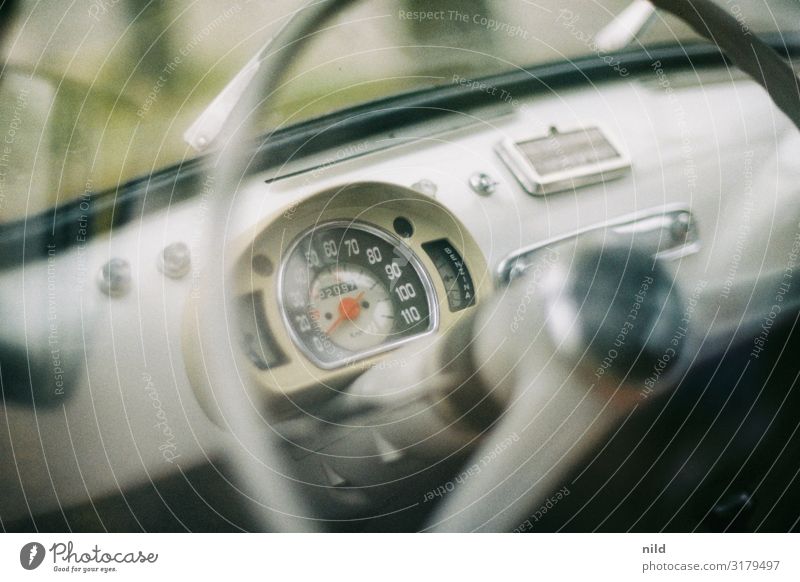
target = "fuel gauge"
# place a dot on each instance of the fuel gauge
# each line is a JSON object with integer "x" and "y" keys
{"x": 454, "y": 273}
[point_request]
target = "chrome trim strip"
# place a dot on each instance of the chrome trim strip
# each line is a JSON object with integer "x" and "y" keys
{"x": 650, "y": 219}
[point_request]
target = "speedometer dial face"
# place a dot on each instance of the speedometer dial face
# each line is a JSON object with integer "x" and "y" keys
{"x": 350, "y": 290}
{"x": 355, "y": 309}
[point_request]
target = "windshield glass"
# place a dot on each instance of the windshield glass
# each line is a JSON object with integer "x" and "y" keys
{"x": 97, "y": 92}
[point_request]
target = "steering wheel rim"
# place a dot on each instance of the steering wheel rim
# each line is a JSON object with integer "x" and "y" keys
{"x": 227, "y": 167}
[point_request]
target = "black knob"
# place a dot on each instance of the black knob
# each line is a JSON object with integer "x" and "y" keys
{"x": 628, "y": 310}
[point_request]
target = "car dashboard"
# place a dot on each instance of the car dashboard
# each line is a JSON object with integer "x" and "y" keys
{"x": 350, "y": 247}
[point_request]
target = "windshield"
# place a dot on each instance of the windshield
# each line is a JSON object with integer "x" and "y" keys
{"x": 98, "y": 92}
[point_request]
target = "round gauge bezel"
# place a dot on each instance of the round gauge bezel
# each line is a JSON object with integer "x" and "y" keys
{"x": 423, "y": 274}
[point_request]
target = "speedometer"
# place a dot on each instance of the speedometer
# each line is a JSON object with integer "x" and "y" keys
{"x": 349, "y": 290}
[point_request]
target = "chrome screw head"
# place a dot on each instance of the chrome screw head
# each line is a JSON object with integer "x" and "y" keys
{"x": 175, "y": 260}
{"x": 114, "y": 278}
{"x": 426, "y": 186}
{"x": 482, "y": 184}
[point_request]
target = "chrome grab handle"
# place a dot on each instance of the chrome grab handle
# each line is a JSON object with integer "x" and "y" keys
{"x": 668, "y": 232}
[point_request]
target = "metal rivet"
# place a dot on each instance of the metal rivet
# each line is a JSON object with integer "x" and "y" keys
{"x": 175, "y": 260}
{"x": 114, "y": 278}
{"x": 482, "y": 183}
{"x": 427, "y": 187}
{"x": 681, "y": 227}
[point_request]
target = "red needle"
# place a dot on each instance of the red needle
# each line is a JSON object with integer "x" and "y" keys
{"x": 349, "y": 309}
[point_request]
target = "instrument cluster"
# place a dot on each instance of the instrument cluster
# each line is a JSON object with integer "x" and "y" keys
{"x": 349, "y": 274}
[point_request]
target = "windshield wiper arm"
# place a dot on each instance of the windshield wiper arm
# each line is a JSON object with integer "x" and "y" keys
{"x": 210, "y": 123}
{"x": 625, "y": 26}
{"x": 204, "y": 130}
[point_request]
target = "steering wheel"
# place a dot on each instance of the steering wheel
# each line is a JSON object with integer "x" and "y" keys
{"x": 570, "y": 322}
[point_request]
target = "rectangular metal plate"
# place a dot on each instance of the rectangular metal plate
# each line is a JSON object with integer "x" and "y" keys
{"x": 563, "y": 160}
